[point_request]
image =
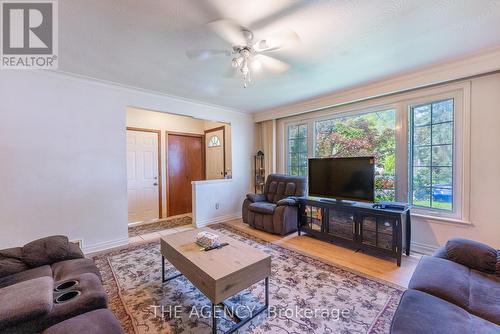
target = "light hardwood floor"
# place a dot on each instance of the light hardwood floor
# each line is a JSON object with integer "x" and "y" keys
{"x": 385, "y": 269}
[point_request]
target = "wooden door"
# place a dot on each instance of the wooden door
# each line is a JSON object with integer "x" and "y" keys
{"x": 215, "y": 151}
{"x": 143, "y": 175}
{"x": 185, "y": 158}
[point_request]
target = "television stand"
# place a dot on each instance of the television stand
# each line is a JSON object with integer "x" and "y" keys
{"x": 336, "y": 201}
{"x": 383, "y": 231}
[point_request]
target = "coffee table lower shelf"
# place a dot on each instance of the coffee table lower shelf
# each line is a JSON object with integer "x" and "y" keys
{"x": 239, "y": 322}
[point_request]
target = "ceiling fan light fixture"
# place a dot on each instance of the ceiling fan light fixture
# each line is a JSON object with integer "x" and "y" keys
{"x": 248, "y": 56}
{"x": 235, "y": 63}
{"x": 256, "y": 65}
{"x": 262, "y": 45}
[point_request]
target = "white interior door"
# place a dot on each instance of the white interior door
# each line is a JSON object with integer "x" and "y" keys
{"x": 142, "y": 176}
{"x": 214, "y": 151}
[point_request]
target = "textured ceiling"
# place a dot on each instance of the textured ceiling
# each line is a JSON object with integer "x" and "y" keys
{"x": 344, "y": 43}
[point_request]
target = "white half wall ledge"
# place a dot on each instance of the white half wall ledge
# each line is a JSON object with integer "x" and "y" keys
{"x": 213, "y": 204}
{"x": 487, "y": 61}
{"x": 211, "y": 181}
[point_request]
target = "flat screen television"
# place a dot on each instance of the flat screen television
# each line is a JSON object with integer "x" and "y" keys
{"x": 343, "y": 178}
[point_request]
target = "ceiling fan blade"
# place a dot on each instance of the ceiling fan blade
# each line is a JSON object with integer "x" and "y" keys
{"x": 229, "y": 31}
{"x": 272, "y": 64}
{"x": 206, "y": 54}
{"x": 277, "y": 41}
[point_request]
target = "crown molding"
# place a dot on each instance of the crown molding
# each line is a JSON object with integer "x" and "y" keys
{"x": 113, "y": 84}
{"x": 477, "y": 64}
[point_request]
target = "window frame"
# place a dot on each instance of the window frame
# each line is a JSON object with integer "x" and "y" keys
{"x": 459, "y": 92}
{"x": 287, "y": 141}
{"x": 459, "y": 133}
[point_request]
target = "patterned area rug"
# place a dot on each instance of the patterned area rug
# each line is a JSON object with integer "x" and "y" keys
{"x": 159, "y": 226}
{"x": 306, "y": 294}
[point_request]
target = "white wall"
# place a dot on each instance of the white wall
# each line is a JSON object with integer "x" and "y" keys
{"x": 63, "y": 156}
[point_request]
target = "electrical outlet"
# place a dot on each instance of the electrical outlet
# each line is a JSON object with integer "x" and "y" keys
{"x": 217, "y": 206}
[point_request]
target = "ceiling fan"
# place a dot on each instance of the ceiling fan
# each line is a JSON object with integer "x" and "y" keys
{"x": 248, "y": 54}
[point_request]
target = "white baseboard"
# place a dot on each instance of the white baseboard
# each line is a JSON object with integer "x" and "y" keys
{"x": 100, "y": 246}
{"x": 221, "y": 219}
{"x": 421, "y": 248}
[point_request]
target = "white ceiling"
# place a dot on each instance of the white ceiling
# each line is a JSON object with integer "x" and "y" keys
{"x": 344, "y": 43}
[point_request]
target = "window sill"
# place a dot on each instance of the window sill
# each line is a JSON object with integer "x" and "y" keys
{"x": 439, "y": 219}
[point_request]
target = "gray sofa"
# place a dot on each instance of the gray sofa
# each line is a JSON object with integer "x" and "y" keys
{"x": 48, "y": 282}
{"x": 275, "y": 211}
{"x": 455, "y": 291}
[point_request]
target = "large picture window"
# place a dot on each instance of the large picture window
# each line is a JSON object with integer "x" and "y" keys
{"x": 370, "y": 134}
{"x": 420, "y": 141}
{"x": 431, "y": 151}
{"x": 297, "y": 149}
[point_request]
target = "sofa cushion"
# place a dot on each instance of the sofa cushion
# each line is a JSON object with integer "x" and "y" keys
{"x": 419, "y": 312}
{"x": 290, "y": 189}
{"x": 484, "y": 298}
{"x": 11, "y": 261}
{"x": 430, "y": 274}
{"x": 65, "y": 270}
{"x": 271, "y": 191}
{"x": 472, "y": 254}
{"x": 25, "y": 301}
{"x": 263, "y": 207}
{"x": 256, "y": 197}
{"x": 290, "y": 201}
{"x": 50, "y": 250}
{"x": 498, "y": 264}
{"x": 96, "y": 322}
{"x": 279, "y": 186}
{"x": 474, "y": 291}
{"x": 26, "y": 275}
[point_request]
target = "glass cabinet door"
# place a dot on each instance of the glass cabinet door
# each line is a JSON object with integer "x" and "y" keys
{"x": 313, "y": 218}
{"x": 377, "y": 231}
{"x": 341, "y": 224}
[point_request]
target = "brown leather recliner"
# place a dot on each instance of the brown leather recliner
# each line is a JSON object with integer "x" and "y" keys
{"x": 275, "y": 211}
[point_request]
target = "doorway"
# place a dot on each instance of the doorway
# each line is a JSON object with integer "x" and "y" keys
{"x": 215, "y": 140}
{"x": 143, "y": 174}
{"x": 185, "y": 163}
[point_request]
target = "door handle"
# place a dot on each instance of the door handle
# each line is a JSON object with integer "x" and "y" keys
{"x": 155, "y": 184}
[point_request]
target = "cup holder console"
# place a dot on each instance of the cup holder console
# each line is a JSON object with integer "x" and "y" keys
{"x": 66, "y": 285}
{"x": 67, "y": 296}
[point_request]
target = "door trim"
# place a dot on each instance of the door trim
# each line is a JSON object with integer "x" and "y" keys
{"x": 158, "y": 133}
{"x": 203, "y": 158}
{"x": 223, "y": 128}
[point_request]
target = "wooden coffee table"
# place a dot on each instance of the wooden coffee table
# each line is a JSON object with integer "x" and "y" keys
{"x": 219, "y": 273}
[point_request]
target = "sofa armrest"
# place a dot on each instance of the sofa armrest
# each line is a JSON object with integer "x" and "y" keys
{"x": 254, "y": 198}
{"x": 289, "y": 201}
{"x": 470, "y": 253}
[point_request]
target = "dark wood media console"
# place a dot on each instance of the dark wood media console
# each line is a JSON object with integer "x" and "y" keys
{"x": 357, "y": 225}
